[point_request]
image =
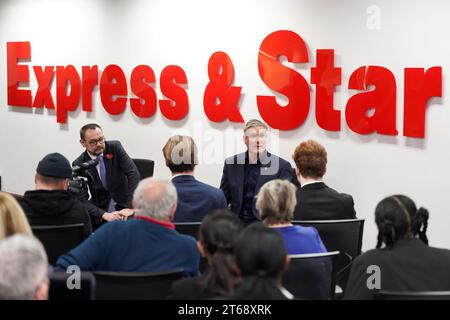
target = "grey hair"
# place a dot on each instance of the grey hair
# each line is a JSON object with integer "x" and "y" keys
{"x": 255, "y": 123}
{"x": 23, "y": 267}
{"x": 154, "y": 198}
{"x": 276, "y": 201}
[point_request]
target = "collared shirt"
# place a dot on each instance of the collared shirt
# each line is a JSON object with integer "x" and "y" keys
{"x": 181, "y": 174}
{"x": 311, "y": 182}
{"x": 94, "y": 157}
{"x": 167, "y": 224}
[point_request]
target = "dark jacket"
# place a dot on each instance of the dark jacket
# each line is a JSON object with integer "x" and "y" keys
{"x": 136, "y": 245}
{"x": 317, "y": 201}
{"x": 196, "y": 199}
{"x": 409, "y": 266}
{"x": 232, "y": 183}
{"x": 55, "y": 207}
{"x": 121, "y": 174}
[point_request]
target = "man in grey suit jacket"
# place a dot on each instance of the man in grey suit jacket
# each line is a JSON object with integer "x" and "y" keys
{"x": 112, "y": 181}
{"x": 245, "y": 173}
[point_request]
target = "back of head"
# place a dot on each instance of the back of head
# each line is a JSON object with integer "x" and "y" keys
{"x": 155, "y": 198}
{"x": 53, "y": 170}
{"x": 276, "y": 202}
{"x": 218, "y": 235}
{"x": 12, "y": 217}
{"x": 310, "y": 157}
{"x": 23, "y": 269}
{"x": 397, "y": 217}
{"x": 180, "y": 153}
{"x": 261, "y": 258}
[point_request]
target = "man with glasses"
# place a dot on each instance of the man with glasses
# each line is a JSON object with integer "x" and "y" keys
{"x": 112, "y": 181}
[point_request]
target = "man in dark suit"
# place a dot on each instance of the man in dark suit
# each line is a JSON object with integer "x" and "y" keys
{"x": 112, "y": 181}
{"x": 315, "y": 200}
{"x": 245, "y": 173}
{"x": 195, "y": 199}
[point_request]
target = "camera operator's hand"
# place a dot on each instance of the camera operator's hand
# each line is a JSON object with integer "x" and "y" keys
{"x": 126, "y": 213}
{"x": 110, "y": 216}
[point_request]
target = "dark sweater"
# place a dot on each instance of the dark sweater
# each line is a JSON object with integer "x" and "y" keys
{"x": 136, "y": 245}
{"x": 54, "y": 207}
{"x": 409, "y": 266}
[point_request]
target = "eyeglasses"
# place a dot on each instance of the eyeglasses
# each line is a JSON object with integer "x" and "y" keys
{"x": 93, "y": 143}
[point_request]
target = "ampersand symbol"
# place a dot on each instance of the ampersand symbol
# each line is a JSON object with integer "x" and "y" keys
{"x": 220, "y": 99}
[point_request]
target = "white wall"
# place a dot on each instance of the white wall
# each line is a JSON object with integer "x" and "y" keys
{"x": 186, "y": 33}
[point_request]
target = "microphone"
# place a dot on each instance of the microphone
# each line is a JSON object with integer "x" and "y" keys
{"x": 85, "y": 165}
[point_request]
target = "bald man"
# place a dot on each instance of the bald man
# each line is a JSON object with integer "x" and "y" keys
{"x": 147, "y": 243}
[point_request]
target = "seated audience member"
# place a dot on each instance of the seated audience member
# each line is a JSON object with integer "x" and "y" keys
{"x": 195, "y": 199}
{"x": 276, "y": 203}
{"x": 217, "y": 237}
{"x": 315, "y": 200}
{"x": 23, "y": 269}
{"x": 12, "y": 218}
{"x": 261, "y": 258}
{"x": 51, "y": 203}
{"x": 402, "y": 256}
{"x": 147, "y": 243}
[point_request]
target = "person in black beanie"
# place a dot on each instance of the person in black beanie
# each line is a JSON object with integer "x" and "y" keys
{"x": 51, "y": 203}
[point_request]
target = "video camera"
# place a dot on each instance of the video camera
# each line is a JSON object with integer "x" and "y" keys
{"x": 78, "y": 183}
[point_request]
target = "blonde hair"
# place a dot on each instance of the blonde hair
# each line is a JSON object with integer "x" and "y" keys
{"x": 12, "y": 217}
{"x": 180, "y": 153}
{"x": 276, "y": 202}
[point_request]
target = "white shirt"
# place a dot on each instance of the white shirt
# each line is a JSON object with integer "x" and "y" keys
{"x": 98, "y": 165}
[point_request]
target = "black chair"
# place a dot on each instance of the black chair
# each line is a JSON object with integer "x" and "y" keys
{"x": 61, "y": 289}
{"x": 189, "y": 228}
{"x": 344, "y": 236}
{"x": 59, "y": 239}
{"x": 311, "y": 276}
{"x": 135, "y": 286}
{"x": 410, "y": 295}
{"x": 145, "y": 167}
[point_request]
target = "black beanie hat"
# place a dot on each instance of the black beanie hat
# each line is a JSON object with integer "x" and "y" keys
{"x": 55, "y": 165}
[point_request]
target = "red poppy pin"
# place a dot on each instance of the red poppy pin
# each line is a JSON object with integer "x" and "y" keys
{"x": 109, "y": 156}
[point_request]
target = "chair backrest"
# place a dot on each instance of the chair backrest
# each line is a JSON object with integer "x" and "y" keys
{"x": 135, "y": 286}
{"x": 344, "y": 236}
{"x": 311, "y": 276}
{"x": 66, "y": 286}
{"x": 410, "y": 295}
{"x": 145, "y": 167}
{"x": 59, "y": 239}
{"x": 189, "y": 228}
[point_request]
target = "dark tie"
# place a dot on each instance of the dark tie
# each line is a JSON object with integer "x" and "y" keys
{"x": 102, "y": 171}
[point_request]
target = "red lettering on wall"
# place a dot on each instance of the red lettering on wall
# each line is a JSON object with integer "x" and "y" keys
{"x": 381, "y": 100}
{"x": 178, "y": 106}
{"x": 325, "y": 76}
{"x": 142, "y": 78}
{"x": 18, "y": 73}
{"x": 66, "y": 77}
{"x": 283, "y": 80}
{"x": 220, "y": 99}
{"x": 420, "y": 86}
{"x": 113, "y": 88}
{"x": 44, "y": 79}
